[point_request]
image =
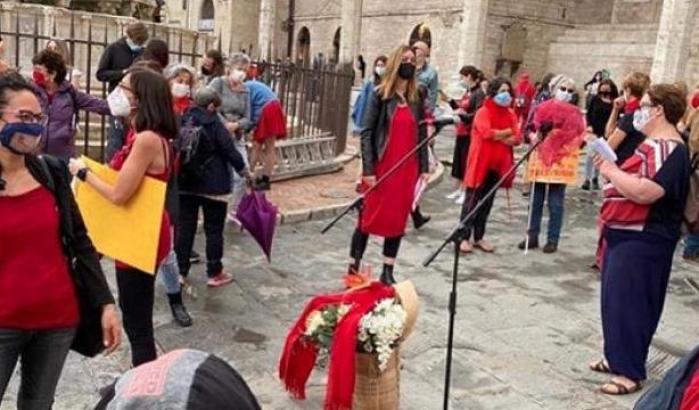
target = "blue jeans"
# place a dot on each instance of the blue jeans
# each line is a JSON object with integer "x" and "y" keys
{"x": 116, "y": 135}
{"x": 42, "y": 355}
{"x": 238, "y": 182}
{"x": 691, "y": 247}
{"x": 555, "y": 200}
{"x": 591, "y": 172}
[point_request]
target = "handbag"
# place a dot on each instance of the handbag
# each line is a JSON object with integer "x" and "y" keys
{"x": 88, "y": 334}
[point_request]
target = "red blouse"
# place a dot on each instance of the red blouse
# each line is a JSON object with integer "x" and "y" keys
{"x": 36, "y": 289}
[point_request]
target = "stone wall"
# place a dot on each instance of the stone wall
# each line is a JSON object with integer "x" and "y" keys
{"x": 593, "y": 11}
{"x": 636, "y": 11}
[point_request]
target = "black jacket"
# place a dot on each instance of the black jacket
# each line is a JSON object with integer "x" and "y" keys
{"x": 116, "y": 58}
{"x": 215, "y": 154}
{"x": 377, "y": 118}
{"x": 77, "y": 246}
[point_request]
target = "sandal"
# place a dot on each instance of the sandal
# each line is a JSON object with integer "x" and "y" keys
{"x": 465, "y": 247}
{"x": 620, "y": 389}
{"x": 600, "y": 366}
{"x": 486, "y": 247}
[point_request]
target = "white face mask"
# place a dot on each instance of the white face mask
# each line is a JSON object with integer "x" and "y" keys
{"x": 380, "y": 71}
{"x": 119, "y": 103}
{"x": 564, "y": 96}
{"x": 641, "y": 118}
{"x": 238, "y": 76}
{"x": 180, "y": 90}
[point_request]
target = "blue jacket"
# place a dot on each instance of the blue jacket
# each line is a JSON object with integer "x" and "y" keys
{"x": 428, "y": 78}
{"x": 668, "y": 394}
{"x": 216, "y": 153}
{"x": 360, "y": 105}
{"x": 260, "y": 95}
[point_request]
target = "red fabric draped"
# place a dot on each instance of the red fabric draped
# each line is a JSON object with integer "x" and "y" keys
{"x": 299, "y": 356}
{"x": 568, "y": 130}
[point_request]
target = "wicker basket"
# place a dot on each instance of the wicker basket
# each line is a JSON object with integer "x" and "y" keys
{"x": 373, "y": 389}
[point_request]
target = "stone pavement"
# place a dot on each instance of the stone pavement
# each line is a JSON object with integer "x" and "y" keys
{"x": 526, "y": 327}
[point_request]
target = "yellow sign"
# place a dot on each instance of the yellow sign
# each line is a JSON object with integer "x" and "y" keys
{"x": 128, "y": 233}
{"x": 563, "y": 172}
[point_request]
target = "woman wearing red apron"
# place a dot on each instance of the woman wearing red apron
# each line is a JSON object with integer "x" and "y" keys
{"x": 143, "y": 97}
{"x": 392, "y": 128}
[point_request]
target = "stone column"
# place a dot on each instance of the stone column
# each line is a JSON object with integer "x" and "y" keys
{"x": 265, "y": 40}
{"x": 351, "y": 30}
{"x": 473, "y": 26}
{"x": 672, "y": 47}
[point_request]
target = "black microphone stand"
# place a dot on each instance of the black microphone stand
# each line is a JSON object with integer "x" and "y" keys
{"x": 455, "y": 238}
{"x": 357, "y": 203}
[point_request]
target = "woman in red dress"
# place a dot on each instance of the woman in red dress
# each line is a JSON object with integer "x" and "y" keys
{"x": 392, "y": 129}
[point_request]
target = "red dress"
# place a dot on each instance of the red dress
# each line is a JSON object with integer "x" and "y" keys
{"x": 386, "y": 209}
{"x": 272, "y": 123}
{"x": 165, "y": 241}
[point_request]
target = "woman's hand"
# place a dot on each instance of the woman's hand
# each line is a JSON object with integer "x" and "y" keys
{"x": 604, "y": 166}
{"x": 111, "y": 328}
{"x": 425, "y": 177}
{"x": 619, "y": 103}
{"x": 369, "y": 180}
{"x": 75, "y": 165}
{"x": 232, "y": 127}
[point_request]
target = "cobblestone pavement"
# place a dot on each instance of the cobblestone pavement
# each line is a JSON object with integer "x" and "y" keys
{"x": 526, "y": 328}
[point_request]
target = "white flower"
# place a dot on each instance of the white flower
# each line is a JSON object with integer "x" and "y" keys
{"x": 386, "y": 323}
{"x": 313, "y": 322}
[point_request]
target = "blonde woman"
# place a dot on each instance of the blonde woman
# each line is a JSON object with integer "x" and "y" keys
{"x": 392, "y": 128}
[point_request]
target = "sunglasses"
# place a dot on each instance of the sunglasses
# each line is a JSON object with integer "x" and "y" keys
{"x": 568, "y": 90}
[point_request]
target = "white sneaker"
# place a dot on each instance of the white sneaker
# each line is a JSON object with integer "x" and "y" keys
{"x": 454, "y": 194}
{"x": 461, "y": 199}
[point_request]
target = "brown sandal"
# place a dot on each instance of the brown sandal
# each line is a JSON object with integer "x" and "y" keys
{"x": 620, "y": 389}
{"x": 486, "y": 247}
{"x": 600, "y": 367}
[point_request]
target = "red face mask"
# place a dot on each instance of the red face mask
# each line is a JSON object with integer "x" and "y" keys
{"x": 39, "y": 78}
{"x": 695, "y": 100}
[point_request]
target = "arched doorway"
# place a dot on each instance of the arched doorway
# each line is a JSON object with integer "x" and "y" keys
{"x": 303, "y": 46}
{"x": 421, "y": 32}
{"x": 206, "y": 16}
{"x": 336, "y": 46}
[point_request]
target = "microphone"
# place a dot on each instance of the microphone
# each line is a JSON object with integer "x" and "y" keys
{"x": 439, "y": 123}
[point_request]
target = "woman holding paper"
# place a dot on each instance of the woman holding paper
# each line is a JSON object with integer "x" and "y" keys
{"x": 644, "y": 202}
{"x": 142, "y": 97}
{"x": 41, "y": 229}
{"x": 392, "y": 128}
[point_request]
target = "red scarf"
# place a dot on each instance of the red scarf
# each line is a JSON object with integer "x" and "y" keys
{"x": 299, "y": 355}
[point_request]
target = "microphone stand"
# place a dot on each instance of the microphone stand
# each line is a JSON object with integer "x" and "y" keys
{"x": 455, "y": 238}
{"x": 357, "y": 203}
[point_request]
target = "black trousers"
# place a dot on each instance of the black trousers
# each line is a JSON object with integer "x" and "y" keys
{"x": 476, "y": 225}
{"x": 361, "y": 239}
{"x": 214, "y": 222}
{"x": 136, "y": 293}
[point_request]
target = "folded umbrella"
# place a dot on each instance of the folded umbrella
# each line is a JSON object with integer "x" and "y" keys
{"x": 259, "y": 217}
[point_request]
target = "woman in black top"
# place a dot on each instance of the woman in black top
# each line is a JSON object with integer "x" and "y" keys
{"x": 598, "y": 113}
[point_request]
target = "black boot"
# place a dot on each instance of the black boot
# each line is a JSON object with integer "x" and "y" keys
{"x": 179, "y": 312}
{"x": 419, "y": 220}
{"x": 387, "y": 275}
{"x": 595, "y": 184}
{"x": 263, "y": 184}
{"x": 586, "y": 185}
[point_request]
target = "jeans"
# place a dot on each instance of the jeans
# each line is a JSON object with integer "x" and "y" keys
{"x": 555, "y": 200}
{"x": 170, "y": 272}
{"x": 477, "y": 224}
{"x": 116, "y": 135}
{"x": 591, "y": 172}
{"x": 214, "y": 222}
{"x": 42, "y": 355}
{"x": 136, "y": 293}
{"x": 238, "y": 185}
{"x": 691, "y": 247}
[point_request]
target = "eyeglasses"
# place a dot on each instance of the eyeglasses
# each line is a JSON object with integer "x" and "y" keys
{"x": 568, "y": 90}
{"x": 27, "y": 117}
{"x": 126, "y": 87}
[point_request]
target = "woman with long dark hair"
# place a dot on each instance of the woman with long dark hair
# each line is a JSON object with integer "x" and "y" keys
{"x": 143, "y": 98}
{"x": 598, "y": 112}
{"x": 392, "y": 128}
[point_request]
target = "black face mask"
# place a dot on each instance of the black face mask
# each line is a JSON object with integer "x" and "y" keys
{"x": 206, "y": 71}
{"x": 406, "y": 71}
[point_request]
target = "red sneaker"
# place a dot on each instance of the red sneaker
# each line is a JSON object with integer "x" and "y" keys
{"x": 219, "y": 280}
{"x": 358, "y": 280}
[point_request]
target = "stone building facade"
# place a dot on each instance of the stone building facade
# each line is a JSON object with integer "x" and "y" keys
{"x": 576, "y": 37}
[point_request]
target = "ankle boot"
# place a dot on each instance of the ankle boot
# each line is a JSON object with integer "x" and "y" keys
{"x": 387, "y": 275}
{"x": 419, "y": 220}
{"x": 179, "y": 311}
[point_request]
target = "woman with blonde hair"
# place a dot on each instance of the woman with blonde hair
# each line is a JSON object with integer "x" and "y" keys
{"x": 392, "y": 128}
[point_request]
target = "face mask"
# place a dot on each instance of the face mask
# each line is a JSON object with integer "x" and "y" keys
{"x": 119, "y": 103}
{"x": 503, "y": 99}
{"x": 564, "y": 96}
{"x": 641, "y": 118}
{"x": 180, "y": 90}
{"x": 39, "y": 78}
{"x": 133, "y": 46}
{"x": 380, "y": 71}
{"x": 21, "y": 138}
{"x": 238, "y": 76}
{"x": 406, "y": 71}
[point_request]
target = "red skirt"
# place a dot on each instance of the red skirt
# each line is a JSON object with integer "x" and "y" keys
{"x": 387, "y": 208}
{"x": 272, "y": 122}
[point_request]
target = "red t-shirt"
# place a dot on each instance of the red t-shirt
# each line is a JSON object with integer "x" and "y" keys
{"x": 690, "y": 400}
{"x": 36, "y": 289}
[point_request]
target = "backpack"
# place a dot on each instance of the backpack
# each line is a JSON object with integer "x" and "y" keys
{"x": 691, "y": 210}
{"x": 192, "y": 155}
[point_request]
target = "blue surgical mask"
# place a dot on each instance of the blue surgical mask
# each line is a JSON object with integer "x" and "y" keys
{"x": 11, "y": 130}
{"x": 503, "y": 99}
{"x": 133, "y": 46}
{"x": 641, "y": 118}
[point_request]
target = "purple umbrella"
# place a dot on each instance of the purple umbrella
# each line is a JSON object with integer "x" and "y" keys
{"x": 259, "y": 217}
